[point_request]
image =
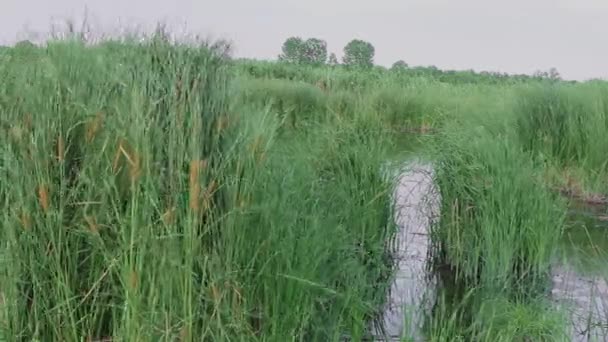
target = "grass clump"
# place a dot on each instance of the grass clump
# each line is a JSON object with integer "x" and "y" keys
{"x": 399, "y": 107}
{"x": 297, "y": 102}
{"x": 495, "y": 319}
{"x": 145, "y": 204}
{"x": 100, "y": 177}
{"x": 565, "y": 126}
{"x": 496, "y": 239}
{"x": 499, "y": 223}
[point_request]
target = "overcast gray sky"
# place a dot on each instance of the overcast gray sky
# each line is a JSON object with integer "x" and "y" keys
{"x": 516, "y": 36}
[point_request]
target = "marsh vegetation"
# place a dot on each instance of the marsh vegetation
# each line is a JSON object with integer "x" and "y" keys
{"x": 152, "y": 190}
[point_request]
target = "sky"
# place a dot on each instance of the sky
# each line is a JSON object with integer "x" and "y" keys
{"x": 514, "y": 36}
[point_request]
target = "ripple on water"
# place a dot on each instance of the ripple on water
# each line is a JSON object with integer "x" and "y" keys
{"x": 416, "y": 203}
{"x": 579, "y": 278}
{"x": 583, "y": 296}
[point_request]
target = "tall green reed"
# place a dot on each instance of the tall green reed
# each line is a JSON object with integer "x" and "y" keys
{"x": 145, "y": 204}
{"x": 565, "y": 125}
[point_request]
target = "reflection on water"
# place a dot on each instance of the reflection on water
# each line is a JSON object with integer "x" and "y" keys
{"x": 585, "y": 241}
{"x": 579, "y": 285}
{"x": 416, "y": 205}
{"x": 579, "y": 276}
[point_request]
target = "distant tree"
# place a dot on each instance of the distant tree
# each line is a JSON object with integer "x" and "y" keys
{"x": 221, "y": 47}
{"x": 380, "y": 68}
{"x": 333, "y": 60}
{"x": 359, "y": 53}
{"x": 399, "y": 65}
{"x": 25, "y": 44}
{"x": 292, "y": 50}
{"x": 25, "y": 49}
{"x": 313, "y": 51}
{"x": 552, "y": 74}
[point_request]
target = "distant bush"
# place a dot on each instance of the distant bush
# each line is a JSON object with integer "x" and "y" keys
{"x": 297, "y": 102}
{"x": 343, "y": 77}
{"x": 565, "y": 122}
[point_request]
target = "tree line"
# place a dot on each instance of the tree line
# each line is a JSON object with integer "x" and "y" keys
{"x": 359, "y": 53}
{"x": 313, "y": 51}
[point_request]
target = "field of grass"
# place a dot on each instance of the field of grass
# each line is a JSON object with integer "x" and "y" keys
{"x": 156, "y": 191}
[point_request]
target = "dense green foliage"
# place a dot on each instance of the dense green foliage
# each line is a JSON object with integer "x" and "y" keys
{"x": 399, "y": 65}
{"x": 505, "y": 144}
{"x": 333, "y": 60}
{"x": 566, "y": 125}
{"x": 292, "y": 50}
{"x": 341, "y": 76}
{"x": 139, "y": 202}
{"x": 312, "y": 51}
{"x": 359, "y": 53}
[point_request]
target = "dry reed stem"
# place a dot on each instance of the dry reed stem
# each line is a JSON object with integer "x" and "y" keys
{"x": 168, "y": 217}
{"x": 93, "y": 227}
{"x": 26, "y": 221}
{"x": 135, "y": 168}
{"x": 133, "y": 280}
{"x": 117, "y": 154}
{"x": 196, "y": 166}
{"x": 223, "y": 123}
{"x": 131, "y": 156}
{"x": 43, "y": 197}
{"x": 124, "y": 149}
{"x": 195, "y": 188}
{"x": 237, "y": 302}
{"x": 209, "y": 191}
{"x": 257, "y": 150}
{"x": 94, "y": 127}
{"x": 49, "y": 249}
{"x": 216, "y": 296}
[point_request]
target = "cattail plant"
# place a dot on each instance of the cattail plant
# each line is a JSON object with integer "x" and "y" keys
{"x": 111, "y": 170}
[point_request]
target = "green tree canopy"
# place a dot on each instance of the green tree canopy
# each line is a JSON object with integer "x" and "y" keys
{"x": 552, "y": 74}
{"x": 309, "y": 51}
{"x": 359, "y": 53}
{"x": 292, "y": 50}
{"x": 314, "y": 51}
{"x": 399, "y": 65}
{"x": 333, "y": 60}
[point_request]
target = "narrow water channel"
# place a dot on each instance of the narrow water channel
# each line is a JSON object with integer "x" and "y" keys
{"x": 411, "y": 294}
{"x": 579, "y": 286}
